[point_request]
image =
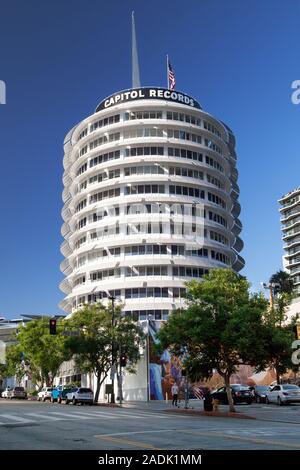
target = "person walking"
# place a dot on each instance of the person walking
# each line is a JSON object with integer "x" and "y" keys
{"x": 174, "y": 391}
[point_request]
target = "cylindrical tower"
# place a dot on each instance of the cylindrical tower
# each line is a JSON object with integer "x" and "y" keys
{"x": 150, "y": 202}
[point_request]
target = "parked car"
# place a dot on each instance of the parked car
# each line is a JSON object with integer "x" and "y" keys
{"x": 283, "y": 394}
{"x": 6, "y": 393}
{"x": 15, "y": 392}
{"x": 80, "y": 395}
{"x": 59, "y": 393}
{"x": 240, "y": 394}
{"x": 260, "y": 393}
{"x": 45, "y": 394}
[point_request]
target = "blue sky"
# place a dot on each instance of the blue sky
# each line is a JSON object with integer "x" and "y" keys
{"x": 60, "y": 58}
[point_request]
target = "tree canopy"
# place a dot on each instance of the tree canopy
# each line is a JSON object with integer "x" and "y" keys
{"x": 93, "y": 347}
{"x": 221, "y": 328}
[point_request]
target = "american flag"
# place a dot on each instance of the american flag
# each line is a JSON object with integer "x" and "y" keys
{"x": 171, "y": 76}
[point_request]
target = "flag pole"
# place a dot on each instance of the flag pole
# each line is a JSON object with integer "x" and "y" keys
{"x": 167, "y": 71}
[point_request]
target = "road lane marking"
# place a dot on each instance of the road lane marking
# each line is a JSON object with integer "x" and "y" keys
{"x": 139, "y": 444}
{"x": 16, "y": 418}
{"x": 247, "y": 439}
{"x": 41, "y": 415}
{"x": 89, "y": 415}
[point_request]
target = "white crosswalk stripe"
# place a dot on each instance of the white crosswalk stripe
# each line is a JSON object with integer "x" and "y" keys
{"x": 18, "y": 419}
{"x": 74, "y": 414}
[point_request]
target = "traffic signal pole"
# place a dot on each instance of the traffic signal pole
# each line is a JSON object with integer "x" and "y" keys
{"x": 112, "y": 398}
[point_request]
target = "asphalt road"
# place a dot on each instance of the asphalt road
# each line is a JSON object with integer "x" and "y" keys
{"x": 44, "y": 426}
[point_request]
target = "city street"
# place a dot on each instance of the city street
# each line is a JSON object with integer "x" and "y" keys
{"x": 140, "y": 426}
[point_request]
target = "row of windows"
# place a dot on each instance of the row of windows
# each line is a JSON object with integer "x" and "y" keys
{"x": 208, "y": 126}
{"x": 143, "y": 115}
{"x": 136, "y": 209}
{"x": 143, "y": 132}
{"x": 183, "y": 135}
{"x": 105, "y": 157}
{"x": 183, "y": 153}
{"x": 141, "y": 315}
{"x": 144, "y": 170}
{"x": 104, "y": 139}
{"x": 184, "y": 118}
{"x": 143, "y": 151}
{"x": 83, "y": 133}
{"x": 133, "y": 115}
{"x": 211, "y": 145}
{"x": 216, "y": 200}
{"x": 141, "y": 271}
{"x": 149, "y": 228}
{"x": 104, "y": 176}
{"x": 179, "y": 171}
{"x": 187, "y": 191}
{"x": 109, "y": 193}
{"x": 143, "y": 292}
{"x": 144, "y": 189}
{"x": 142, "y": 250}
{"x": 186, "y": 271}
{"x": 104, "y": 122}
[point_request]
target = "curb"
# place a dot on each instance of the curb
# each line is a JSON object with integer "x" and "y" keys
{"x": 214, "y": 414}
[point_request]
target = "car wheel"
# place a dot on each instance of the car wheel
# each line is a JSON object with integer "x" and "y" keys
{"x": 74, "y": 401}
{"x": 44, "y": 399}
{"x": 267, "y": 401}
{"x": 52, "y": 400}
{"x": 59, "y": 400}
{"x": 279, "y": 401}
{"x": 66, "y": 401}
{"x": 91, "y": 404}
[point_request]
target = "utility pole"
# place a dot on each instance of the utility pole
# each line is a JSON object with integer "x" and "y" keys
{"x": 112, "y": 398}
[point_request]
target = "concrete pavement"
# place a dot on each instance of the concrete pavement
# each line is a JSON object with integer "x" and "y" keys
{"x": 34, "y": 425}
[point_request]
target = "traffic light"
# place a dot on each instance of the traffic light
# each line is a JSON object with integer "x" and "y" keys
{"x": 123, "y": 360}
{"x": 52, "y": 326}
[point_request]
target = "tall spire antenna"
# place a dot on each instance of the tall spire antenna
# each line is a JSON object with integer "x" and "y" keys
{"x": 136, "y": 82}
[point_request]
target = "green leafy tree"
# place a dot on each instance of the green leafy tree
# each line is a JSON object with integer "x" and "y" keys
{"x": 221, "y": 328}
{"x": 93, "y": 346}
{"x": 284, "y": 281}
{"x": 280, "y": 334}
{"x": 37, "y": 353}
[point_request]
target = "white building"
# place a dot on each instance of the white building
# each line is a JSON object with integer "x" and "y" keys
{"x": 150, "y": 202}
{"x": 290, "y": 220}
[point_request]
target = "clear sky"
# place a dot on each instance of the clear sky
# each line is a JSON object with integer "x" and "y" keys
{"x": 60, "y": 58}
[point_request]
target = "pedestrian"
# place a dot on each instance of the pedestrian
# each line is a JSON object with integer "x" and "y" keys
{"x": 174, "y": 391}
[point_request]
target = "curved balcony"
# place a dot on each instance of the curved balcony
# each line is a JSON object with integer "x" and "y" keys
{"x": 65, "y": 286}
{"x": 65, "y": 248}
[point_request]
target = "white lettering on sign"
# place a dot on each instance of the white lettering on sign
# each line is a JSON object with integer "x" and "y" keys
{"x": 147, "y": 93}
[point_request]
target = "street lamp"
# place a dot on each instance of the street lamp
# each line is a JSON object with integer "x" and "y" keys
{"x": 112, "y": 299}
{"x": 271, "y": 286}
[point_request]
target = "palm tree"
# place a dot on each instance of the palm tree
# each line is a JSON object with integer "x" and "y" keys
{"x": 284, "y": 281}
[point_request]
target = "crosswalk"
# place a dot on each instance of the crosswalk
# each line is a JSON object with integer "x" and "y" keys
{"x": 27, "y": 418}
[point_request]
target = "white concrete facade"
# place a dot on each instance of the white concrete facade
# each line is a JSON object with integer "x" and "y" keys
{"x": 150, "y": 202}
{"x": 290, "y": 220}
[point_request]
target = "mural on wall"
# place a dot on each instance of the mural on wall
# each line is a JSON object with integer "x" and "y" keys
{"x": 166, "y": 369}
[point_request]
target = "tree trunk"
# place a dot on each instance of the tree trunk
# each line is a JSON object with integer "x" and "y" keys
{"x": 229, "y": 394}
{"x": 98, "y": 388}
{"x": 277, "y": 377}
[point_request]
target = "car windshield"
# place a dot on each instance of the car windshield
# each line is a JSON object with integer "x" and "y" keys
{"x": 290, "y": 387}
{"x": 239, "y": 387}
{"x": 19, "y": 389}
{"x": 261, "y": 388}
{"x": 49, "y": 389}
{"x": 85, "y": 390}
